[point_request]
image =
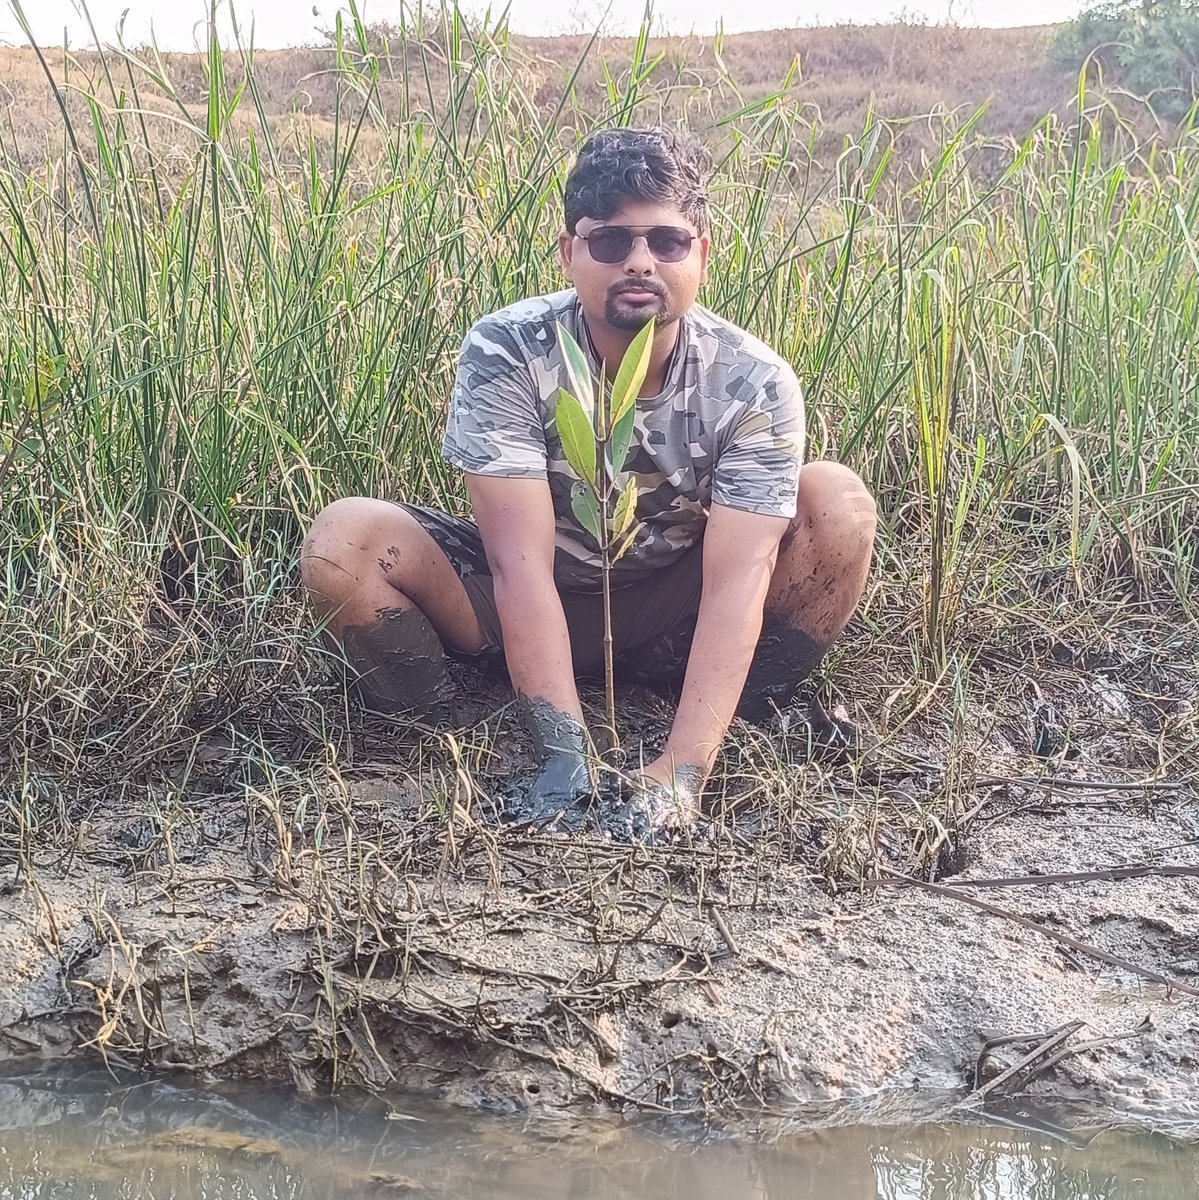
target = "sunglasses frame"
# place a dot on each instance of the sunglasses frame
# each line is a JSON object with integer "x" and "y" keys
{"x": 635, "y": 232}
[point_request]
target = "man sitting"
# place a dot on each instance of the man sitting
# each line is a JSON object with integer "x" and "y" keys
{"x": 745, "y": 569}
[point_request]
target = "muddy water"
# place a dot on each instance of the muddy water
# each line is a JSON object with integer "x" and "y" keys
{"x": 85, "y": 1134}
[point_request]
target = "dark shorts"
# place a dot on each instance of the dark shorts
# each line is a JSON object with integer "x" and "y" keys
{"x": 653, "y": 620}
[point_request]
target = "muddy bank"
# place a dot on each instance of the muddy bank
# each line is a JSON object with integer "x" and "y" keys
{"x": 395, "y": 945}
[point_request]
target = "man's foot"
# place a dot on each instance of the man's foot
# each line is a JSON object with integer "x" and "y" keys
{"x": 828, "y": 735}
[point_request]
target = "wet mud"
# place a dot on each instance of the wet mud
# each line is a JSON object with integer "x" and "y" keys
{"x": 400, "y": 666}
{"x": 380, "y": 925}
{"x": 547, "y": 971}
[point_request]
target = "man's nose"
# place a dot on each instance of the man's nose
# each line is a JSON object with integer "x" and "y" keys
{"x": 640, "y": 261}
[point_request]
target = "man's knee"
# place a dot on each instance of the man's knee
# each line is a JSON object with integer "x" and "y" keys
{"x": 833, "y": 501}
{"x": 337, "y": 538}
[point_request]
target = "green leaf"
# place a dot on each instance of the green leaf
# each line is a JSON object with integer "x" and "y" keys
{"x": 585, "y": 506}
{"x": 633, "y": 369}
{"x": 577, "y": 370}
{"x": 622, "y": 438}
{"x": 626, "y": 509}
{"x": 578, "y": 437}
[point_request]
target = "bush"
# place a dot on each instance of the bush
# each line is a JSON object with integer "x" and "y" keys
{"x": 1151, "y": 48}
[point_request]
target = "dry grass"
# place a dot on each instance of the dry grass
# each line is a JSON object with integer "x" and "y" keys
{"x": 905, "y": 72}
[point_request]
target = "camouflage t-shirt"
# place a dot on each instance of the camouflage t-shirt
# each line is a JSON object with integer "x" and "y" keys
{"x": 727, "y": 428}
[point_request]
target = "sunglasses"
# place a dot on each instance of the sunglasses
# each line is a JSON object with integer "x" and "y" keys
{"x": 614, "y": 243}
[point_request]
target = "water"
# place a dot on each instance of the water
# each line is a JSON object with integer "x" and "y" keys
{"x": 76, "y": 1135}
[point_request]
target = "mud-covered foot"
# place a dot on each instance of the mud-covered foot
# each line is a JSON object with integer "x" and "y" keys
{"x": 831, "y": 736}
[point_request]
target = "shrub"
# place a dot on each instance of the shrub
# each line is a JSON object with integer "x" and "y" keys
{"x": 1152, "y": 48}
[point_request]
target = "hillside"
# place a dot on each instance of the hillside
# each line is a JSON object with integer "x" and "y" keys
{"x": 905, "y": 72}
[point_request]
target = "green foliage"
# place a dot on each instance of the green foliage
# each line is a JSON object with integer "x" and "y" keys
{"x": 1152, "y": 48}
{"x": 604, "y": 438}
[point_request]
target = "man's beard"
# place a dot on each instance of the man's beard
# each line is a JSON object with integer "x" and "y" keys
{"x": 631, "y": 317}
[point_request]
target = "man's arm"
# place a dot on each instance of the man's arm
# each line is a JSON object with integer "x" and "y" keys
{"x": 740, "y": 549}
{"x": 516, "y": 521}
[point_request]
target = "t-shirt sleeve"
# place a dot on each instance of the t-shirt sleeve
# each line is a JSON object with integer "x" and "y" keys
{"x": 758, "y": 468}
{"x": 494, "y": 424}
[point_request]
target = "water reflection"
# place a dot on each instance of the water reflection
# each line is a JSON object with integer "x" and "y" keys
{"x": 87, "y": 1137}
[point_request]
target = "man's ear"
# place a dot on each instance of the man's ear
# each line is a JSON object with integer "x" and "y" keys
{"x": 565, "y": 250}
{"x": 705, "y": 251}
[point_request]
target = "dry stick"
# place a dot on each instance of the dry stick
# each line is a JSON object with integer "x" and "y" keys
{"x": 1082, "y": 947}
{"x": 1109, "y": 874}
{"x": 729, "y": 940}
{"x": 1051, "y": 1042}
{"x": 1091, "y": 1044}
{"x": 1050, "y": 782}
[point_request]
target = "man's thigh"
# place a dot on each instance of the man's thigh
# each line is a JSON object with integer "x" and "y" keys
{"x": 458, "y": 538}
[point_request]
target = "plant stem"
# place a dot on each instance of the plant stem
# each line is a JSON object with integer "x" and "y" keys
{"x": 605, "y": 501}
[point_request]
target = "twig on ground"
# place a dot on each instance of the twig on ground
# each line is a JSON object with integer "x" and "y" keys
{"x": 729, "y": 940}
{"x": 1046, "y": 1043}
{"x": 1105, "y": 874}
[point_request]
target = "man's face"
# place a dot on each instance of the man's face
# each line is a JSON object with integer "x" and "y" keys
{"x": 624, "y": 295}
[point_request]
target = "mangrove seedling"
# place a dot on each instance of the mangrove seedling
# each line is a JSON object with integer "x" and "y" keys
{"x": 595, "y": 424}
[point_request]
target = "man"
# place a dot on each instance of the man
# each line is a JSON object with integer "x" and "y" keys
{"x": 745, "y": 570}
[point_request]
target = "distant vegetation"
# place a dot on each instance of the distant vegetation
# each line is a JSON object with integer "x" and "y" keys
{"x": 1148, "y": 46}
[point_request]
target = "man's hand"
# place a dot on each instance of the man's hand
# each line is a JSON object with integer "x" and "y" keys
{"x": 561, "y": 783}
{"x": 665, "y": 797}
{"x": 560, "y": 743}
{"x": 516, "y": 521}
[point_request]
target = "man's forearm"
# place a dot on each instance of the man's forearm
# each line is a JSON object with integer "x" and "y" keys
{"x": 536, "y": 642}
{"x": 726, "y": 636}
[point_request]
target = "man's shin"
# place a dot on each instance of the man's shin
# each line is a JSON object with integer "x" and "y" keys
{"x": 785, "y": 657}
{"x": 399, "y": 666}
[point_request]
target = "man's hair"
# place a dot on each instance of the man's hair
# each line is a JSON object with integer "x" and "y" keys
{"x": 618, "y": 165}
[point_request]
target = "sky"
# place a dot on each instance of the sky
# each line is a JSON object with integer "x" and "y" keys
{"x": 178, "y": 23}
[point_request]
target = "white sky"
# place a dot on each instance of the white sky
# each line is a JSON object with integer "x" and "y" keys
{"x": 177, "y": 23}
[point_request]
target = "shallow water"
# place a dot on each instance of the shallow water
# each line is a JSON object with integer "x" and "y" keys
{"x": 69, "y": 1135}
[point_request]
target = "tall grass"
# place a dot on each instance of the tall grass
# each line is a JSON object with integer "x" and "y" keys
{"x": 215, "y": 321}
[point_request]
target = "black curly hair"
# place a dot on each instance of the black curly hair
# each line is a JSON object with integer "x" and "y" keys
{"x": 617, "y": 165}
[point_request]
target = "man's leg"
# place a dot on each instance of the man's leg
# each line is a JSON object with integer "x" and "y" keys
{"x": 823, "y": 562}
{"x": 392, "y": 600}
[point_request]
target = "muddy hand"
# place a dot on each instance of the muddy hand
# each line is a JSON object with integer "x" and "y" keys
{"x": 658, "y": 807}
{"x": 562, "y": 782}
{"x": 564, "y": 777}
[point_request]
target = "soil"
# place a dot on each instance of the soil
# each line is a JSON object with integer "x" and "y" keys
{"x": 391, "y": 934}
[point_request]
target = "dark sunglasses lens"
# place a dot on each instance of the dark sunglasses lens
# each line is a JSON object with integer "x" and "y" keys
{"x": 668, "y": 244}
{"x": 610, "y": 245}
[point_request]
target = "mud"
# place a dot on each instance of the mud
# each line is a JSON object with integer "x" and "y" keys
{"x": 400, "y": 665}
{"x": 516, "y": 971}
{"x": 370, "y": 919}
